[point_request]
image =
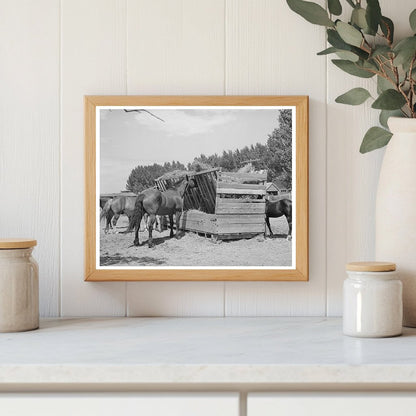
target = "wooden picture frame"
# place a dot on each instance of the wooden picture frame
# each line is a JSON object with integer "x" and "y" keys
{"x": 298, "y": 271}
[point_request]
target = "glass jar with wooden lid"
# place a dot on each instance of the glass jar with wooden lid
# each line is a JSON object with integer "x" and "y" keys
{"x": 19, "y": 286}
{"x": 372, "y": 300}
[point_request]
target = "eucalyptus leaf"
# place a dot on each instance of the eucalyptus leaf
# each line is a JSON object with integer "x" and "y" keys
{"x": 389, "y": 100}
{"x": 311, "y": 12}
{"x": 383, "y": 84}
{"x": 347, "y": 55}
{"x": 358, "y": 18}
{"x": 412, "y": 20}
{"x": 356, "y": 96}
{"x": 375, "y": 138}
{"x": 334, "y": 7}
{"x": 381, "y": 50}
{"x": 373, "y": 15}
{"x": 352, "y": 68}
{"x": 350, "y": 56}
{"x": 336, "y": 41}
{"x": 387, "y": 27}
{"x": 386, "y": 114}
{"x": 327, "y": 51}
{"x": 349, "y": 34}
{"x": 405, "y": 50}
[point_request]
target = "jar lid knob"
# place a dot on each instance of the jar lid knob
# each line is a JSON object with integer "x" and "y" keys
{"x": 371, "y": 266}
{"x": 11, "y": 243}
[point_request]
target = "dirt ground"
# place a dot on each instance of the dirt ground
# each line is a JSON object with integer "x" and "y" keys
{"x": 117, "y": 249}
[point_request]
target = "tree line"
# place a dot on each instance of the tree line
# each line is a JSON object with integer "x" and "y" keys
{"x": 275, "y": 156}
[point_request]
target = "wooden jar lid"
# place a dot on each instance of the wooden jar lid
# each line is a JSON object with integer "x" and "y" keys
{"x": 11, "y": 243}
{"x": 371, "y": 266}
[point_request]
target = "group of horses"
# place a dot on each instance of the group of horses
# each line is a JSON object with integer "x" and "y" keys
{"x": 152, "y": 202}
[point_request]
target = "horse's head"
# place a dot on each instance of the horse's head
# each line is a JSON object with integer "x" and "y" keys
{"x": 190, "y": 182}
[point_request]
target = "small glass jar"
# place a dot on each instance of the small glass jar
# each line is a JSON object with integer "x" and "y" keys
{"x": 19, "y": 286}
{"x": 372, "y": 300}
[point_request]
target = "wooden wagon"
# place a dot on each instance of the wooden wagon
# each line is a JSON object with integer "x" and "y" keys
{"x": 224, "y": 205}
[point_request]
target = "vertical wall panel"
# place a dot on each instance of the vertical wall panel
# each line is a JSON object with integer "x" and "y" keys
{"x": 352, "y": 177}
{"x": 272, "y": 51}
{"x": 175, "y": 47}
{"x": 29, "y": 135}
{"x": 93, "y": 62}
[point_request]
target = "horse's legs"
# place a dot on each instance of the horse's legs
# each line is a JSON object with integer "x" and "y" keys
{"x": 136, "y": 234}
{"x": 115, "y": 219}
{"x": 171, "y": 225}
{"x": 108, "y": 218}
{"x": 152, "y": 219}
{"x": 268, "y": 224}
{"x": 289, "y": 221}
{"x": 177, "y": 219}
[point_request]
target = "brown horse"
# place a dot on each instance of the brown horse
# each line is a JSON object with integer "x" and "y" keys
{"x": 154, "y": 202}
{"x": 117, "y": 206}
{"x": 275, "y": 209}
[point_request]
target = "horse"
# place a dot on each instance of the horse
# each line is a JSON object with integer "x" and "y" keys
{"x": 117, "y": 206}
{"x": 154, "y": 202}
{"x": 275, "y": 209}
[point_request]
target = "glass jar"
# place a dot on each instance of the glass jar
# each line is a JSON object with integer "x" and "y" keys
{"x": 19, "y": 286}
{"x": 372, "y": 300}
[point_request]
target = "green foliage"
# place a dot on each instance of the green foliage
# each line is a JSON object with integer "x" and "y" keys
{"x": 349, "y": 34}
{"x": 373, "y": 15}
{"x": 355, "y": 96}
{"x": 375, "y": 138}
{"x": 311, "y": 12}
{"x": 358, "y": 18}
{"x": 352, "y": 68}
{"x": 366, "y": 47}
{"x": 412, "y": 20}
{"x": 334, "y": 7}
{"x": 389, "y": 100}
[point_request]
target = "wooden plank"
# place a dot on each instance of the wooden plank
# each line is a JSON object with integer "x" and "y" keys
{"x": 30, "y": 137}
{"x": 234, "y": 185}
{"x": 241, "y": 191}
{"x": 241, "y": 200}
{"x": 240, "y": 209}
{"x": 241, "y": 219}
{"x": 240, "y": 228}
{"x": 205, "y": 172}
{"x": 237, "y": 236}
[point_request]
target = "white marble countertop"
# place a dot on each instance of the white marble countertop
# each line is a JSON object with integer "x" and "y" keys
{"x": 204, "y": 351}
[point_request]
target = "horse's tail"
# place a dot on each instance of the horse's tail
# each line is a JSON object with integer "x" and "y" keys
{"x": 106, "y": 208}
{"x": 138, "y": 212}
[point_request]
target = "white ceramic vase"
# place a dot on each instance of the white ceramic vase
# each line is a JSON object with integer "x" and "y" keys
{"x": 396, "y": 210}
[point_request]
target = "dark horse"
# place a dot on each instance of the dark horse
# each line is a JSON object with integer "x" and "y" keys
{"x": 275, "y": 209}
{"x": 154, "y": 202}
{"x": 115, "y": 207}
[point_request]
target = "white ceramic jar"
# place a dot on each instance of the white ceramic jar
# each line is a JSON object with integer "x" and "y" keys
{"x": 19, "y": 286}
{"x": 372, "y": 300}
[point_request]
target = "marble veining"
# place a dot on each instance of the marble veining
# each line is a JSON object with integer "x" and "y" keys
{"x": 203, "y": 350}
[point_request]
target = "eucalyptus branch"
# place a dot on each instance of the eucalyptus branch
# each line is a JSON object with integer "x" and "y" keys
{"x": 366, "y": 40}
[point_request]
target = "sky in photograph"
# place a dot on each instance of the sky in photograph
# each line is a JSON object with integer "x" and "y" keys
{"x": 129, "y": 139}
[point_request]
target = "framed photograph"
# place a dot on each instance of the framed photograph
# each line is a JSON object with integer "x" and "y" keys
{"x": 196, "y": 188}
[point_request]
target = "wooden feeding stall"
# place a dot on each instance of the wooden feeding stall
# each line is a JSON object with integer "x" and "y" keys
{"x": 224, "y": 205}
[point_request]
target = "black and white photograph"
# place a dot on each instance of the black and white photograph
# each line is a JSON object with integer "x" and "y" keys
{"x": 195, "y": 187}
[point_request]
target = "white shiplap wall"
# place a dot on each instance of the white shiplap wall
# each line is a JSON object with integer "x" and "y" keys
{"x": 55, "y": 52}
